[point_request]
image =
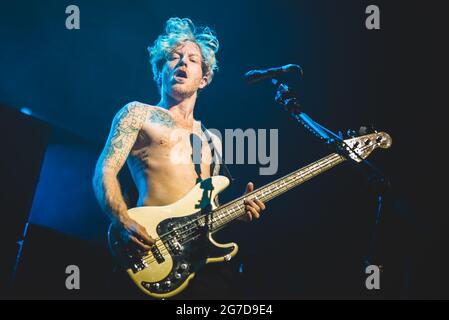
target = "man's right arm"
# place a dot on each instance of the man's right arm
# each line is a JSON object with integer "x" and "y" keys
{"x": 125, "y": 128}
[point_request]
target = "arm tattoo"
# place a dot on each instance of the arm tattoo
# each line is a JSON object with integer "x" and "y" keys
{"x": 125, "y": 127}
{"x": 162, "y": 118}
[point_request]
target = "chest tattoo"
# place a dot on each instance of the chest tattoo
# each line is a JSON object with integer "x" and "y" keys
{"x": 162, "y": 118}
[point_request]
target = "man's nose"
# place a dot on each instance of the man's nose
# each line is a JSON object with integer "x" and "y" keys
{"x": 182, "y": 61}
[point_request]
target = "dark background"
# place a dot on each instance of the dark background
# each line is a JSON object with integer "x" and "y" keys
{"x": 310, "y": 243}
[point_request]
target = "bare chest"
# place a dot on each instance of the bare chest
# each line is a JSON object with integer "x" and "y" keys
{"x": 172, "y": 144}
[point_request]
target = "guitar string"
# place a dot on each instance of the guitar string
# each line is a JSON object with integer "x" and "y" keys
{"x": 310, "y": 168}
{"x": 279, "y": 190}
{"x": 291, "y": 178}
{"x": 290, "y": 181}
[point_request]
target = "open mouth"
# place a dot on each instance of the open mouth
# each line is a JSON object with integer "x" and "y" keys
{"x": 181, "y": 74}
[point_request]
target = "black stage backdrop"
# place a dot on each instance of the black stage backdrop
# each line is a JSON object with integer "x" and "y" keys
{"x": 310, "y": 243}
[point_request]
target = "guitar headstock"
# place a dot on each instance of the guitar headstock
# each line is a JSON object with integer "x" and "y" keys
{"x": 363, "y": 146}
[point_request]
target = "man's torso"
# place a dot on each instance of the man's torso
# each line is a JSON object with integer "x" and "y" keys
{"x": 162, "y": 159}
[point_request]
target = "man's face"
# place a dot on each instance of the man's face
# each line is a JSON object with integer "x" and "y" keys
{"x": 182, "y": 74}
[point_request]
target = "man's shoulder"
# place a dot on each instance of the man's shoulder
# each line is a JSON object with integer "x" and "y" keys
{"x": 136, "y": 106}
{"x": 134, "y": 109}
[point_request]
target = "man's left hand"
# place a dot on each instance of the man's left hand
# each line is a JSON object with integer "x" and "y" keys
{"x": 253, "y": 207}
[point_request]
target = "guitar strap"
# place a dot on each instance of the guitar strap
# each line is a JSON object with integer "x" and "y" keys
{"x": 217, "y": 159}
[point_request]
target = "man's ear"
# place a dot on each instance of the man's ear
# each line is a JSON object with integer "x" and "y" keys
{"x": 203, "y": 82}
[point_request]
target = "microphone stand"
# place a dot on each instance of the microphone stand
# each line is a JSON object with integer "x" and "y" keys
{"x": 378, "y": 181}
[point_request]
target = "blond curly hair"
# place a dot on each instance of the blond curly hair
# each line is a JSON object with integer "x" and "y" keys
{"x": 178, "y": 31}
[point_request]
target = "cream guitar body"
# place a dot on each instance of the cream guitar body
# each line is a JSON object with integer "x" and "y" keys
{"x": 167, "y": 269}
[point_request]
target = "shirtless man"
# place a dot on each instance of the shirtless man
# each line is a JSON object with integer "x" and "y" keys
{"x": 183, "y": 61}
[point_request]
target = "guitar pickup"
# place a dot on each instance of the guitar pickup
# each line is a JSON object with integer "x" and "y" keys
{"x": 157, "y": 254}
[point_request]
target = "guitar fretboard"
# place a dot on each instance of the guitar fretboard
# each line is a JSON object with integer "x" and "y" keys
{"x": 236, "y": 208}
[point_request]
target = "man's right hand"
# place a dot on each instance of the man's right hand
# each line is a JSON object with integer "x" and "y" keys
{"x": 131, "y": 231}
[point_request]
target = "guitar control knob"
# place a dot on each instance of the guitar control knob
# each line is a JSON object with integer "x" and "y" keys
{"x": 177, "y": 275}
{"x": 168, "y": 283}
{"x": 184, "y": 266}
{"x": 156, "y": 285}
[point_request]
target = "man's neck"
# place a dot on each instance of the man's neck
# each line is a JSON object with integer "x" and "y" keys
{"x": 182, "y": 108}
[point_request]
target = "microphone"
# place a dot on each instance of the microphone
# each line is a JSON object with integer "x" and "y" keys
{"x": 257, "y": 75}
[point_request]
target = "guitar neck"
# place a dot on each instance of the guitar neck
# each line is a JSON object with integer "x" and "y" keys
{"x": 230, "y": 211}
